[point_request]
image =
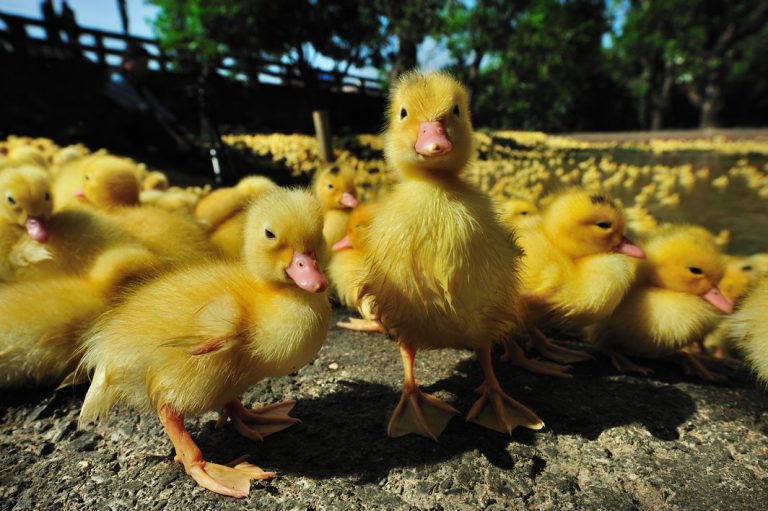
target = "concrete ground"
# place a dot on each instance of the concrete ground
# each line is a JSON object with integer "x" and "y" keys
{"x": 611, "y": 442}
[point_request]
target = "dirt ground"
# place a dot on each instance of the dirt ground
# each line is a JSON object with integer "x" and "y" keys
{"x": 611, "y": 442}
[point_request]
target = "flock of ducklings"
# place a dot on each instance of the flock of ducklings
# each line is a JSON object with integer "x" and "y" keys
{"x": 180, "y": 299}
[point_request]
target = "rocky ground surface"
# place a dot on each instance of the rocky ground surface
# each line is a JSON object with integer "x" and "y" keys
{"x": 611, "y": 442}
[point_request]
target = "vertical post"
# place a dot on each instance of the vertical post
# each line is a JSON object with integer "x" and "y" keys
{"x": 323, "y": 133}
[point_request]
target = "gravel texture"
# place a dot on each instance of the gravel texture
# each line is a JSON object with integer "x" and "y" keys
{"x": 611, "y": 442}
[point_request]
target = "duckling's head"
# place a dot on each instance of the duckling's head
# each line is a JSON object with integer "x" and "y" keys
{"x": 429, "y": 130}
{"x": 740, "y": 272}
{"x": 111, "y": 182}
{"x": 359, "y": 221}
{"x": 515, "y": 209}
{"x": 335, "y": 187}
{"x": 25, "y": 200}
{"x": 284, "y": 241}
{"x": 583, "y": 223}
{"x": 681, "y": 259}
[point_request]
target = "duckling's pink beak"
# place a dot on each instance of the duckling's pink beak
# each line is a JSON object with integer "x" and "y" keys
{"x": 716, "y": 298}
{"x": 342, "y": 244}
{"x": 628, "y": 248}
{"x": 37, "y": 229}
{"x": 348, "y": 200}
{"x": 432, "y": 140}
{"x": 305, "y": 273}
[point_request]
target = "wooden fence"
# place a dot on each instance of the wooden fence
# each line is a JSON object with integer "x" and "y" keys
{"x": 29, "y": 37}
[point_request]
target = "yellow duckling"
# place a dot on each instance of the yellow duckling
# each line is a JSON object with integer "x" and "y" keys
{"x": 674, "y": 303}
{"x": 335, "y": 187}
{"x": 214, "y": 331}
{"x": 25, "y": 211}
{"x": 515, "y": 209}
{"x": 41, "y": 321}
{"x": 222, "y": 211}
{"x": 113, "y": 187}
{"x": 439, "y": 268}
{"x": 748, "y": 328}
{"x": 578, "y": 265}
{"x": 740, "y": 272}
{"x": 346, "y": 264}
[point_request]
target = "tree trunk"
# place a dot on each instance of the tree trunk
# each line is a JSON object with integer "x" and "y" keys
{"x": 406, "y": 58}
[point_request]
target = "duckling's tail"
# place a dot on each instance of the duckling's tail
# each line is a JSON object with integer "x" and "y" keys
{"x": 99, "y": 400}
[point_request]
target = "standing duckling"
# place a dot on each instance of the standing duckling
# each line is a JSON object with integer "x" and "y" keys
{"x": 439, "y": 268}
{"x": 674, "y": 302}
{"x": 193, "y": 340}
{"x": 576, "y": 269}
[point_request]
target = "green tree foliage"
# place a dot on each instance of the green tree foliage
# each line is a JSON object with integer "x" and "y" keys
{"x": 296, "y": 31}
{"x": 542, "y": 67}
{"x": 699, "y": 49}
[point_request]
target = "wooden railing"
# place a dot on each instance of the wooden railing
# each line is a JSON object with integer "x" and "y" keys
{"x": 29, "y": 37}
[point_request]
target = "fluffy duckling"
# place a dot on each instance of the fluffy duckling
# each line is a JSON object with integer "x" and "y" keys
{"x": 222, "y": 211}
{"x": 675, "y": 302}
{"x": 335, "y": 187}
{"x": 214, "y": 331}
{"x": 113, "y": 187}
{"x": 25, "y": 210}
{"x": 345, "y": 266}
{"x": 748, "y": 328}
{"x": 515, "y": 209}
{"x": 41, "y": 321}
{"x": 577, "y": 267}
{"x": 740, "y": 272}
{"x": 439, "y": 268}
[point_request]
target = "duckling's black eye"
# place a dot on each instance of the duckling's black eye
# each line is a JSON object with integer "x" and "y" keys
{"x": 523, "y": 212}
{"x": 604, "y": 225}
{"x": 456, "y": 110}
{"x": 403, "y": 113}
{"x": 746, "y": 268}
{"x": 47, "y": 196}
{"x": 11, "y": 201}
{"x": 330, "y": 186}
{"x": 269, "y": 234}
{"x": 695, "y": 270}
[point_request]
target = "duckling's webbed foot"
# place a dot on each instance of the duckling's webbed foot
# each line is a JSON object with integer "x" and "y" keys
{"x": 514, "y": 353}
{"x": 624, "y": 365}
{"x": 554, "y": 352}
{"x": 417, "y": 412}
{"x": 495, "y": 409}
{"x": 692, "y": 365}
{"x": 256, "y": 423}
{"x": 361, "y": 325}
{"x": 233, "y": 480}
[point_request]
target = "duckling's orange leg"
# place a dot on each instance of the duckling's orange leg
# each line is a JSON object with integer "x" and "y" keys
{"x": 361, "y": 325}
{"x": 551, "y": 351}
{"x": 417, "y": 412}
{"x": 624, "y": 365}
{"x": 504, "y": 413}
{"x": 513, "y": 352}
{"x": 270, "y": 419}
{"x": 691, "y": 365}
{"x": 233, "y": 480}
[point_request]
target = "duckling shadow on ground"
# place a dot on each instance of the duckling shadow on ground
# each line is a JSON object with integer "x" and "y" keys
{"x": 344, "y": 433}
